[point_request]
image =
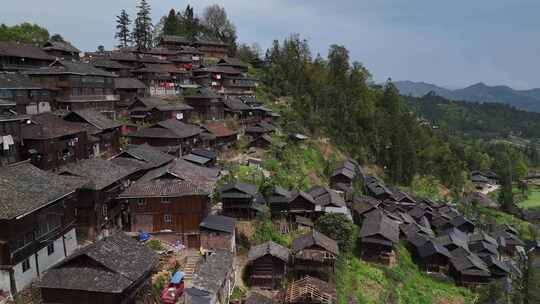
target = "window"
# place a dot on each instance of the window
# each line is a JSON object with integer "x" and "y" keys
{"x": 168, "y": 219}
{"x": 141, "y": 202}
{"x": 165, "y": 200}
{"x": 25, "y": 265}
{"x": 50, "y": 249}
{"x": 104, "y": 210}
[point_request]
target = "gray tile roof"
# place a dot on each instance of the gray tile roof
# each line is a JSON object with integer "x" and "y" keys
{"x": 219, "y": 223}
{"x": 269, "y": 248}
{"x": 96, "y": 119}
{"x": 212, "y": 272}
{"x": 315, "y": 238}
{"x": 247, "y": 190}
{"x": 431, "y": 248}
{"x": 162, "y": 188}
{"x": 25, "y": 188}
{"x": 21, "y": 50}
{"x": 377, "y": 224}
{"x": 62, "y": 67}
{"x": 128, "y": 83}
{"x": 99, "y": 173}
{"x": 60, "y": 46}
{"x": 148, "y": 155}
{"x": 122, "y": 263}
{"x": 203, "y": 177}
{"x": 16, "y": 81}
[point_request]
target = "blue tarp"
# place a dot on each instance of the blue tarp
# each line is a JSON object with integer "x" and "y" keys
{"x": 177, "y": 277}
{"x": 143, "y": 236}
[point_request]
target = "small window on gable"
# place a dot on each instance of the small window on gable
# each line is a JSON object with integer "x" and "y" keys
{"x": 26, "y": 265}
{"x": 167, "y": 218}
{"x": 50, "y": 249}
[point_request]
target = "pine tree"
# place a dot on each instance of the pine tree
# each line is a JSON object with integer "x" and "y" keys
{"x": 122, "y": 26}
{"x": 190, "y": 23}
{"x": 171, "y": 25}
{"x": 142, "y": 33}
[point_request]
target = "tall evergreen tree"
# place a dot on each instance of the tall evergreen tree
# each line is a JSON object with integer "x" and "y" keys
{"x": 122, "y": 26}
{"x": 142, "y": 33}
{"x": 532, "y": 282}
{"x": 190, "y": 23}
{"x": 171, "y": 26}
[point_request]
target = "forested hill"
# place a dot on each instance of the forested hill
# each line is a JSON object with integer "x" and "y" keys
{"x": 482, "y": 119}
{"x": 528, "y": 100}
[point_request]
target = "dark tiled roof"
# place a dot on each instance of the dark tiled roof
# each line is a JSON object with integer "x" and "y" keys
{"x": 470, "y": 264}
{"x": 315, "y": 238}
{"x": 300, "y": 194}
{"x": 204, "y": 153}
{"x": 219, "y": 223}
{"x": 108, "y": 64}
{"x": 25, "y": 188}
{"x": 61, "y": 67}
{"x": 377, "y": 224}
{"x": 453, "y": 237}
{"x": 211, "y": 274}
{"x": 128, "y": 83}
{"x": 232, "y": 62}
{"x": 60, "y": 46}
{"x": 163, "y": 105}
{"x": 219, "y": 129}
{"x": 432, "y": 247}
{"x": 247, "y": 189}
{"x": 100, "y": 173}
{"x": 196, "y": 159}
{"x": 162, "y": 188}
{"x": 182, "y": 130}
{"x": 148, "y": 155}
{"x": 16, "y": 81}
{"x": 122, "y": 263}
{"x": 48, "y": 125}
{"x": 236, "y": 104}
{"x": 10, "y": 49}
{"x": 279, "y": 195}
{"x": 203, "y": 177}
{"x": 269, "y": 248}
{"x": 324, "y": 196}
{"x": 96, "y": 119}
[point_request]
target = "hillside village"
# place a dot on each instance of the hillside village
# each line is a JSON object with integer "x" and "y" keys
{"x": 141, "y": 175}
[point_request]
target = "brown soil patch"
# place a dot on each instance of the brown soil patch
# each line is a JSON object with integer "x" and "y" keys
{"x": 443, "y": 300}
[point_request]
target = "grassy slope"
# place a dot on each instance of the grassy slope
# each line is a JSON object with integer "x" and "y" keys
{"x": 533, "y": 199}
{"x": 403, "y": 283}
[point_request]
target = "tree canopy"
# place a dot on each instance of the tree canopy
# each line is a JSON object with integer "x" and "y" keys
{"x": 24, "y": 33}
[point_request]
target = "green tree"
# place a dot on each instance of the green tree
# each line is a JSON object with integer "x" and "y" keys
{"x": 122, "y": 29}
{"x": 339, "y": 228}
{"x": 24, "y": 33}
{"x": 491, "y": 294}
{"x": 532, "y": 283}
{"x": 142, "y": 33}
{"x": 190, "y": 23}
{"x": 57, "y": 38}
{"x": 218, "y": 26}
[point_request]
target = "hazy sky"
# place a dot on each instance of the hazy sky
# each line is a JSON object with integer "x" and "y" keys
{"x": 452, "y": 43}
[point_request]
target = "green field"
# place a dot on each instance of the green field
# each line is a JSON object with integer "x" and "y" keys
{"x": 533, "y": 199}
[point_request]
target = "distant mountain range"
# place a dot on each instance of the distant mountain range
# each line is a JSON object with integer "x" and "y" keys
{"x": 528, "y": 100}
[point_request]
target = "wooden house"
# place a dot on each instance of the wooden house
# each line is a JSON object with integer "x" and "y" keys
{"x": 453, "y": 239}
{"x": 345, "y": 173}
{"x": 302, "y": 204}
{"x": 171, "y": 132}
{"x": 128, "y": 89}
{"x": 434, "y": 257}
{"x": 107, "y": 64}
{"x": 50, "y": 141}
{"x": 236, "y": 109}
{"x": 104, "y": 132}
{"x": 234, "y": 63}
{"x": 207, "y": 104}
{"x": 462, "y": 223}
{"x": 61, "y": 50}
{"x": 314, "y": 254}
{"x": 468, "y": 269}
{"x": 156, "y": 109}
{"x": 378, "y": 236}
{"x": 144, "y": 157}
{"x": 99, "y": 213}
{"x": 278, "y": 201}
{"x": 508, "y": 240}
{"x": 113, "y": 270}
{"x": 218, "y": 232}
{"x": 261, "y": 142}
{"x": 211, "y": 48}
{"x": 498, "y": 269}
{"x": 361, "y": 205}
{"x": 213, "y": 279}
{"x": 201, "y": 157}
{"x": 37, "y": 223}
{"x": 267, "y": 264}
{"x": 174, "y": 42}
{"x": 220, "y": 135}
{"x": 21, "y": 57}
{"x": 163, "y": 78}
{"x": 310, "y": 290}
{"x": 11, "y": 125}
{"x": 241, "y": 200}
{"x": 79, "y": 86}
{"x": 167, "y": 205}
{"x": 29, "y": 98}
{"x": 328, "y": 201}
{"x": 377, "y": 189}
